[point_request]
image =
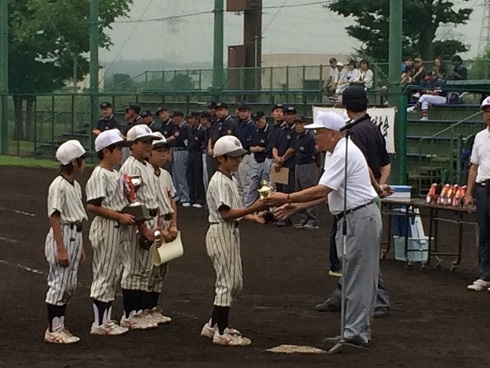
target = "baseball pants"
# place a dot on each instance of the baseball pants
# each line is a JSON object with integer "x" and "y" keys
{"x": 360, "y": 269}
{"x": 158, "y": 273}
{"x": 62, "y": 281}
{"x": 107, "y": 242}
{"x": 260, "y": 171}
{"x": 137, "y": 262}
{"x": 212, "y": 166}
{"x": 223, "y": 247}
{"x": 179, "y": 175}
{"x": 245, "y": 172}
{"x": 195, "y": 178}
{"x": 306, "y": 176}
{"x": 426, "y": 100}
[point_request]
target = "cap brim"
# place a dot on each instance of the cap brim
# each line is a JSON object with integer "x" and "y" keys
{"x": 315, "y": 126}
{"x": 161, "y": 145}
{"x": 147, "y": 137}
{"x": 237, "y": 153}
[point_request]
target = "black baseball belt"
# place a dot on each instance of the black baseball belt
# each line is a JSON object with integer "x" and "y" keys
{"x": 167, "y": 217}
{"x": 340, "y": 215}
{"x": 78, "y": 226}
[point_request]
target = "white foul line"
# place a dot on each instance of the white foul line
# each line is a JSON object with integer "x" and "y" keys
{"x": 8, "y": 240}
{"x": 22, "y": 267}
{"x": 18, "y": 211}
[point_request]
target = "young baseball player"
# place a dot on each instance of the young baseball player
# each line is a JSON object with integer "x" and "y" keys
{"x": 167, "y": 222}
{"x": 223, "y": 239}
{"x": 105, "y": 199}
{"x": 64, "y": 248}
{"x": 138, "y": 261}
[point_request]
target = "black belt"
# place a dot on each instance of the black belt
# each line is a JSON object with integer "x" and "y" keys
{"x": 180, "y": 149}
{"x": 235, "y": 223}
{"x": 167, "y": 217}
{"x": 78, "y": 226}
{"x": 483, "y": 184}
{"x": 340, "y": 215}
{"x": 153, "y": 212}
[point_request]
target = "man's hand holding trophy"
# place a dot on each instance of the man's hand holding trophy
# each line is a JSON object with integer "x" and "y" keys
{"x": 271, "y": 199}
{"x": 265, "y": 192}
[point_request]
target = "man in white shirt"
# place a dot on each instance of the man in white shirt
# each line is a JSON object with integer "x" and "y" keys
{"x": 332, "y": 77}
{"x": 479, "y": 186}
{"x": 363, "y": 220}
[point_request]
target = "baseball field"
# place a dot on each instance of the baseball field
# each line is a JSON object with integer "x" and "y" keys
{"x": 434, "y": 321}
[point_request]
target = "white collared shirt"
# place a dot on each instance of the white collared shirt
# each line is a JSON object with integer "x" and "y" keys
{"x": 359, "y": 189}
{"x": 480, "y": 155}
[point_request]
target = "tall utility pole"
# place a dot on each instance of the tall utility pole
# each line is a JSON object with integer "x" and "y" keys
{"x": 484, "y": 42}
{"x": 252, "y": 39}
{"x": 94, "y": 60}
{"x": 4, "y": 75}
{"x": 218, "y": 49}
{"x": 396, "y": 99}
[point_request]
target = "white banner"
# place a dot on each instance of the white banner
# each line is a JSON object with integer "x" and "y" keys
{"x": 384, "y": 118}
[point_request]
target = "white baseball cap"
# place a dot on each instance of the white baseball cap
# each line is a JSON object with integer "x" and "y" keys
{"x": 160, "y": 142}
{"x": 328, "y": 120}
{"x": 485, "y": 103}
{"x": 339, "y": 63}
{"x": 140, "y": 131}
{"x": 107, "y": 138}
{"x": 69, "y": 151}
{"x": 229, "y": 145}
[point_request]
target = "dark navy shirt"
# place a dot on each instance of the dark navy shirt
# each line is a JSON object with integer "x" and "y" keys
{"x": 244, "y": 130}
{"x": 221, "y": 128}
{"x": 283, "y": 141}
{"x": 197, "y": 139}
{"x": 367, "y": 136}
{"x": 107, "y": 123}
{"x": 304, "y": 148}
{"x": 167, "y": 128}
{"x": 275, "y": 130}
{"x": 261, "y": 138}
{"x": 182, "y": 134}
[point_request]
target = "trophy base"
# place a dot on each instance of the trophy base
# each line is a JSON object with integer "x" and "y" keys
{"x": 269, "y": 217}
{"x": 139, "y": 212}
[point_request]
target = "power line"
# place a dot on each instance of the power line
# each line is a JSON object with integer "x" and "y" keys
{"x": 274, "y": 17}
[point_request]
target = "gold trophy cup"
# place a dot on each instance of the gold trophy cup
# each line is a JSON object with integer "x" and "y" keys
{"x": 135, "y": 208}
{"x": 264, "y": 192}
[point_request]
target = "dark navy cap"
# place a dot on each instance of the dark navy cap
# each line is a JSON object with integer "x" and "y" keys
{"x": 160, "y": 109}
{"x": 278, "y": 106}
{"x": 211, "y": 105}
{"x": 177, "y": 113}
{"x": 205, "y": 115}
{"x": 195, "y": 114}
{"x": 300, "y": 119}
{"x": 290, "y": 109}
{"x": 257, "y": 115}
{"x": 135, "y": 108}
{"x": 146, "y": 114}
{"x": 243, "y": 106}
{"x": 105, "y": 105}
{"x": 221, "y": 105}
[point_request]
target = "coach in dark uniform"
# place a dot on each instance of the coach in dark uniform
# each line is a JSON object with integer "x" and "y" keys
{"x": 165, "y": 126}
{"x": 107, "y": 121}
{"x": 194, "y": 161}
{"x": 367, "y": 136}
{"x": 179, "y": 164}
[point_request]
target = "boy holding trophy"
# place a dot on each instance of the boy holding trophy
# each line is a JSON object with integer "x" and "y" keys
{"x": 139, "y": 246}
{"x": 223, "y": 239}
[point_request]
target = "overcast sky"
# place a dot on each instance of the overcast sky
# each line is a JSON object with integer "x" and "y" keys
{"x": 301, "y": 29}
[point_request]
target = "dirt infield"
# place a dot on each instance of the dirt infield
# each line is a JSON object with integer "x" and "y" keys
{"x": 434, "y": 322}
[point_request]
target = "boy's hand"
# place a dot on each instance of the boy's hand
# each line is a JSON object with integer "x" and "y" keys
{"x": 260, "y": 217}
{"x": 126, "y": 219}
{"x": 173, "y": 232}
{"x": 62, "y": 257}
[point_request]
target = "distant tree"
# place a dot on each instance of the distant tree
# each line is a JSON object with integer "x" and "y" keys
{"x": 448, "y": 48}
{"x": 46, "y": 38}
{"x": 480, "y": 67}
{"x": 122, "y": 82}
{"x": 181, "y": 82}
{"x": 421, "y": 19}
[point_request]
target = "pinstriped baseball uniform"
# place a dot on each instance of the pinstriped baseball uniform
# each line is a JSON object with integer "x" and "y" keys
{"x": 105, "y": 237}
{"x": 138, "y": 262}
{"x": 223, "y": 239}
{"x": 66, "y": 198}
{"x": 165, "y": 192}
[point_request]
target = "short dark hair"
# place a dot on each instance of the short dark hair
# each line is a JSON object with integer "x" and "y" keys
{"x": 111, "y": 148}
{"x": 355, "y": 99}
{"x": 332, "y": 60}
{"x": 68, "y": 168}
{"x": 364, "y": 61}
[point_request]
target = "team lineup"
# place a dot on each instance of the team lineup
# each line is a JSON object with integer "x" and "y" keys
{"x": 238, "y": 157}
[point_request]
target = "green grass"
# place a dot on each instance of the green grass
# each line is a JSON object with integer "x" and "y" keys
{"x": 27, "y": 162}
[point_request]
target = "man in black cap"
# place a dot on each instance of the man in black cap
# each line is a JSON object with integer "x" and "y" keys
{"x": 132, "y": 117}
{"x": 147, "y": 118}
{"x": 205, "y": 122}
{"x": 194, "y": 161}
{"x": 244, "y": 130}
{"x": 367, "y": 136}
{"x": 165, "y": 126}
{"x": 261, "y": 149}
{"x": 223, "y": 125}
{"x": 179, "y": 163}
{"x": 283, "y": 154}
{"x": 107, "y": 121}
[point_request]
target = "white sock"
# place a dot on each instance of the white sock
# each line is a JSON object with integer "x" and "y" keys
{"x": 96, "y": 314}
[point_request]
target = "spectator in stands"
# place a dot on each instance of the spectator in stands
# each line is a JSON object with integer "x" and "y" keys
{"x": 107, "y": 120}
{"x": 332, "y": 76}
{"x": 195, "y": 162}
{"x": 438, "y": 69}
{"x": 341, "y": 82}
{"x": 419, "y": 71}
{"x": 407, "y": 71}
{"x": 459, "y": 71}
{"x": 366, "y": 75}
{"x": 179, "y": 164}
{"x": 434, "y": 94}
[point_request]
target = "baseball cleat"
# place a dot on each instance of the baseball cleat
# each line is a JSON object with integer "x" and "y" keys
{"x": 138, "y": 322}
{"x": 229, "y": 339}
{"x": 479, "y": 285}
{"x": 157, "y": 317}
{"x": 110, "y": 328}
{"x": 186, "y": 204}
{"x": 208, "y": 331}
{"x": 60, "y": 336}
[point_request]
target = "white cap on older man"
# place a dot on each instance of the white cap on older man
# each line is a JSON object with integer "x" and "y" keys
{"x": 485, "y": 103}
{"x": 140, "y": 131}
{"x": 327, "y": 120}
{"x": 108, "y": 138}
{"x": 69, "y": 151}
{"x": 228, "y": 145}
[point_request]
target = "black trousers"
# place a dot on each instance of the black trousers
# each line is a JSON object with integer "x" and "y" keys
{"x": 194, "y": 178}
{"x": 290, "y": 187}
{"x": 212, "y": 164}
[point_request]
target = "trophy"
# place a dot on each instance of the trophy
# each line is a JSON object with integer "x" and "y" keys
{"x": 135, "y": 208}
{"x": 264, "y": 191}
{"x": 146, "y": 243}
